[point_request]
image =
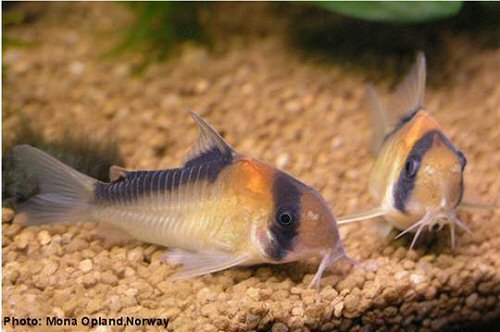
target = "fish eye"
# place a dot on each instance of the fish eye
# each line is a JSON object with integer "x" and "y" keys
{"x": 411, "y": 166}
{"x": 463, "y": 160}
{"x": 285, "y": 217}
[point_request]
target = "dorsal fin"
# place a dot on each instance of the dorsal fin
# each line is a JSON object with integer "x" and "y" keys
{"x": 402, "y": 105}
{"x": 409, "y": 95}
{"x": 117, "y": 173}
{"x": 209, "y": 145}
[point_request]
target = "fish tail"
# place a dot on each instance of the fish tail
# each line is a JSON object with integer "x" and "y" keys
{"x": 64, "y": 194}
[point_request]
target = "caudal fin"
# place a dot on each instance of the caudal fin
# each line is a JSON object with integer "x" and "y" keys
{"x": 64, "y": 194}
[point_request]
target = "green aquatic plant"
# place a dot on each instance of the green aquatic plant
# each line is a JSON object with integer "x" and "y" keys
{"x": 393, "y": 11}
{"x": 13, "y": 17}
{"x": 160, "y": 27}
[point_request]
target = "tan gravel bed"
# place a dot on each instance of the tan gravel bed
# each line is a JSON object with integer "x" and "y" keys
{"x": 300, "y": 112}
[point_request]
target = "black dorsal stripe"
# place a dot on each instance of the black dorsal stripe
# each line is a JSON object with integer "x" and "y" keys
{"x": 208, "y": 156}
{"x": 402, "y": 122}
{"x": 138, "y": 184}
{"x": 286, "y": 195}
{"x": 406, "y": 184}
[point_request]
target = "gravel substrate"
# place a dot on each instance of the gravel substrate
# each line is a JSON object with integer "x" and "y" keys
{"x": 300, "y": 112}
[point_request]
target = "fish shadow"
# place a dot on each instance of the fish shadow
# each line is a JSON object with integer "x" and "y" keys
{"x": 369, "y": 46}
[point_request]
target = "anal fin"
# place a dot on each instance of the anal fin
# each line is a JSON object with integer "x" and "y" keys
{"x": 112, "y": 234}
{"x": 378, "y": 212}
{"x": 197, "y": 264}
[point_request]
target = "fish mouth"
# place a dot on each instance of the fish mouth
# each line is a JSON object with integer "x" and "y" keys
{"x": 330, "y": 257}
{"x": 435, "y": 221}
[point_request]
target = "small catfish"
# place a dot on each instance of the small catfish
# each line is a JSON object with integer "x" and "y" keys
{"x": 417, "y": 178}
{"x": 220, "y": 210}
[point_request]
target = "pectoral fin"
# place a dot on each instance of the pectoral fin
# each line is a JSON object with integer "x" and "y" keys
{"x": 379, "y": 118}
{"x": 196, "y": 264}
{"x": 401, "y": 106}
{"x": 410, "y": 93}
{"x": 474, "y": 207}
{"x": 361, "y": 216}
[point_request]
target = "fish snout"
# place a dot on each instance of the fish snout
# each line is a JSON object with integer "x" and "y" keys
{"x": 440, "y": 217}
{"x": 438, "y": 222}
{"x": 439, "y": 196}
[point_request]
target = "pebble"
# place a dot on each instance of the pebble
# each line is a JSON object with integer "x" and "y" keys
{"x": 44, "y": 237}
{"x": 94, "y": 305}
{"x": 86, "y": 265}
{"x": 371, "y": 289}
{"x": 114, "y": 303}
{"x": 293, "y": 106}
{"x": 129, "y": 272}
{"x": 337, "y": 310}
{"x": 417, "y": 278}
{"x": 408, "y": 264}
{"x": 7, "y": 215}
{"x": 210, "y": 310}
{"x": 131, "y": 291}
{"x": 399, "y": 253}
{"x": 252, "y": 320}
{"x": 135, "y": 255}
{"x": 77, "y": 68}
{"x": 372, "y": 265}
{"x": 351, "y": 302}
{"x": 282, "y": 160}
{"x": 170, "y": 102}
{"x": 253, "y": 293}
{"x": 23, "y": 239}
{"x": 438, "y": 324}
{"x": 297, "y": 311}
{"x": 470, "y": 301}
{"x": 50, "y": 267}
{"x": 201, "y": 86}
{"x": 58, "y": 312}
{"x": 109, "y": 278}
{"x": 279, "y": 327}
{"x": 247, "y": 89}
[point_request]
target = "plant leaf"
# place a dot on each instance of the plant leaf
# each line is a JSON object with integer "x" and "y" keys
{"x": 394, "y": 11}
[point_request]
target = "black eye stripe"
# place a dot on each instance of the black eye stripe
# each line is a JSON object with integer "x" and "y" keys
{"x": 286, "y": 198}
{"x": 406, "y": 182}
